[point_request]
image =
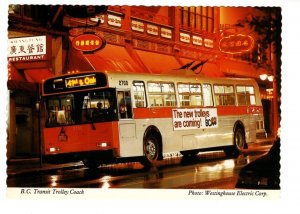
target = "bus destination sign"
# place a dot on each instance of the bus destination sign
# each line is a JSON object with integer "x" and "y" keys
{"x": 80, "y": 81}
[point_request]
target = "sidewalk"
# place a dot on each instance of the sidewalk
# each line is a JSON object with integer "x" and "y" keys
{"x": 31, "y": 165}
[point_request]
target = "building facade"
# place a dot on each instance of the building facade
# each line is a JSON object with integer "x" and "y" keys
{"x": 137, "y": 39}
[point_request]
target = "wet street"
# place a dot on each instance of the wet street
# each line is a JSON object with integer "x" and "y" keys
{"x": 206, "y": 170}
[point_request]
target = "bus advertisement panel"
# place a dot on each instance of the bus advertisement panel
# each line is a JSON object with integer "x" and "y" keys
{"x": 196, "y": 118}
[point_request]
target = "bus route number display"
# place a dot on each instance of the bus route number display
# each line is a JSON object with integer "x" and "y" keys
{"x": 80, "y": 81}
{"x": 196, "y": 118}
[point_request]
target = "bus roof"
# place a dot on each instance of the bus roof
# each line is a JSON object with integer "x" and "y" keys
{"x": 111, "y": 79}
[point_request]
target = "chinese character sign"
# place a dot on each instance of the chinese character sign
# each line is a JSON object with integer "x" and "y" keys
{"x": 27, "y": 48}
{"x": 88, "y": 42}
{"x": 236, "y": 44}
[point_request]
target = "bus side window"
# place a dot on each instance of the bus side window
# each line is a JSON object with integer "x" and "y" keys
{"x": 139, "y": 94}
{"x": 207, "y": 95}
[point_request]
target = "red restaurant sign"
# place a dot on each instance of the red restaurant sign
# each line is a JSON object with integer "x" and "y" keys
{"x": 236, "y": 44}
{"x": 88, "y": 42}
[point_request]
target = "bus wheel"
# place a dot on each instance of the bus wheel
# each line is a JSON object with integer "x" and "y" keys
{"x": 91, "y": 162}
{"x": 239, "y": 139}
{"x": 151, "y": 150}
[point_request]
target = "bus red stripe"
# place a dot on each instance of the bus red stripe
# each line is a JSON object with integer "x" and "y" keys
{"x": 166, "y": 112}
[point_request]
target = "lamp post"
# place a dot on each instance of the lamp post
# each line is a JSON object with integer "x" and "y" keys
{"x": 38, "y": 109}
{"x": 275, "y": 117}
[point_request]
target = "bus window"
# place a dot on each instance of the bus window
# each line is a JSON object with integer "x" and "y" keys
{"x": 190, "y": 94}
{"x": 125, "y": 106}
{"x": 207, "y": 95}
{"x": 224, "y": 95}
{"x": 98, "y": 106}
{"x": 161, "y": 94}
{"x": 139, "y": 94}
{"x": 245, "y": 95}
{"x": 60, "y": 110}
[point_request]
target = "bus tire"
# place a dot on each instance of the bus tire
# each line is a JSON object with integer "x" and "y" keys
{"x": 239, "y": 140}
{"x": 151, "y": 150}
{"x": 91, "y": 162}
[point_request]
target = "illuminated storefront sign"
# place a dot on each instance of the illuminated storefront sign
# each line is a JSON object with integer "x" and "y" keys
{"x": 208, "y": 43}
{"x": 166, "y": 33}
{"x": 80, "y": 81}
{"x": 236, "y": 44}
{"x": 88, "y": 42}
{"x": 99, "y": 18}
{"x": 184, "y": 37}
{"x": 27, "y": 48}
{"x": 137, "y": 26}
{"x": 196, "y": 118}
{"x": 115, "y": 21}
{"x": 197, "y": 40}
{"x": 152, "y": 30}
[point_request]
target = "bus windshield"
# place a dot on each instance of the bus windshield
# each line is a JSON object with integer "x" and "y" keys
{"x": 81, "y": 107}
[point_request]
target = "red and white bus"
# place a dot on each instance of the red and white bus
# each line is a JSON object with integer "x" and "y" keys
{"x": 107, "y": 117}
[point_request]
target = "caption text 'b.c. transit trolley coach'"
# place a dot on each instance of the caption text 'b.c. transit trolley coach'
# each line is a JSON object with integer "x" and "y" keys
{"x": 106, "y": 117}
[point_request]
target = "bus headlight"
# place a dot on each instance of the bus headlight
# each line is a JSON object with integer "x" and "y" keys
{"x": 53, "y": 149}
{"x": 103, "y": 144}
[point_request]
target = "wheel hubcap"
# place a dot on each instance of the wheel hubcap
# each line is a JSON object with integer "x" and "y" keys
{"x": 151, "y": 150}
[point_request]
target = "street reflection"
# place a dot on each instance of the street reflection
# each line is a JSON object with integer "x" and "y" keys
{"x": 53, "y": 179}
{"x": 104, "y": 182}
{"x": 242, "y": 160}
{"x": 174, "y": 171}
{"x": 224, "y": 165}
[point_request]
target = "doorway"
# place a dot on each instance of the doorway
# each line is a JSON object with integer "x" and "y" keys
{"x": 267, "y": 115}
{"x": 24, "y": 131}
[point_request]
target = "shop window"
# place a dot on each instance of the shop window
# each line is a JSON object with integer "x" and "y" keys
{"x": 198, "y": 18}
{"x": 21, "y": 11}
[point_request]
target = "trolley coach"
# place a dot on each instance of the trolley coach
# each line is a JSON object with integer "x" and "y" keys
{"x": 107, "y": 117}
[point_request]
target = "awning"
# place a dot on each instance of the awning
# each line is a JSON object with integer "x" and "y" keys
{"x": 14, "y": 74}
{"x": 158, "y": 63}
{"x": 110, "y": 58}
{"x": 37, "y": 75}
{"x": 209, "y": 69}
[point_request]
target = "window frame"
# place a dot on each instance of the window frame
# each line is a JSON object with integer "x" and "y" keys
{"x": 198, "y": 18}
{"x": 223, "y": 95}
{"x": 245, "y": 94}
{"x": 162, "y": 94}
{"x": 134, "y": 93}
{"x": 190, "y": 94}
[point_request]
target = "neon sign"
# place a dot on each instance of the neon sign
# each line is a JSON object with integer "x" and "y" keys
{"x": 234, "y": 44}
{"x": 80, "y": 81}
{"x": 88, "y": 42}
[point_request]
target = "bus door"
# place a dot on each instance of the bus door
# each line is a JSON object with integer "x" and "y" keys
{"x": 127, "y": 126}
